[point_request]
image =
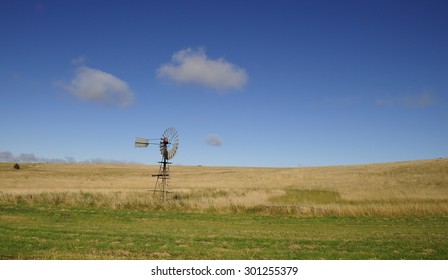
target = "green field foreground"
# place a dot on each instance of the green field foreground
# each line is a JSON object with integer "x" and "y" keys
{"x": 84, "y": 211}
{"x": 79, "y": 233}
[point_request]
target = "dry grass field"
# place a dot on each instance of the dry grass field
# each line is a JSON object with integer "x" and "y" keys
{"x": 401, "y": 188}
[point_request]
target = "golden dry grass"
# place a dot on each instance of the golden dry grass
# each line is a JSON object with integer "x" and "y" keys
{"x": 402, "y": 188}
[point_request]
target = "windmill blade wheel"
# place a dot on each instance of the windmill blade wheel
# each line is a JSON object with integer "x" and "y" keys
{"x": 169, "y": 143}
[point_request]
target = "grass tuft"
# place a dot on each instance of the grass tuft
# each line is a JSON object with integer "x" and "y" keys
{"x": 296, "y": 196}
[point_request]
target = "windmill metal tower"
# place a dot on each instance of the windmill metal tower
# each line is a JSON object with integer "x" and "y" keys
{"x": 169, "y": 142}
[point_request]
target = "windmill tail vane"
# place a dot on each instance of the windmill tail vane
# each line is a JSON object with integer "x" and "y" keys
{"x": 141, "y": 142}
{"x": 144, "y": 142}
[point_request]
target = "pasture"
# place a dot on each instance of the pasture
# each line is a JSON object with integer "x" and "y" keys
{"x": 81, "y": 211}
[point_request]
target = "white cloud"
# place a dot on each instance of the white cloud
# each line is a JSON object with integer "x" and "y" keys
{"x": 190, "y": 66}
{"x": 7, "y": 156}
{"x": 425, "y": 99}
{"x": 213, "y": 140}
{"x": 95, "y": 85}
{"x": 80, "y": 60}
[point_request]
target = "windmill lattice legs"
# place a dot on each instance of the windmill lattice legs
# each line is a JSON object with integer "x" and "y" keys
{"x": 163, "y": 178}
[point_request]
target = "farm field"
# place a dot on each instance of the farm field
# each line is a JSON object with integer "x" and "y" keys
{"x": 79, "y": 211}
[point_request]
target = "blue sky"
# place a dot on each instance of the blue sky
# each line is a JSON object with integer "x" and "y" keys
{"x": 245, "y": 83}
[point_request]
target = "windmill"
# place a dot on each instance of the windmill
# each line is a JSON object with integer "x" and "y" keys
{"x": 169, "y": 142}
